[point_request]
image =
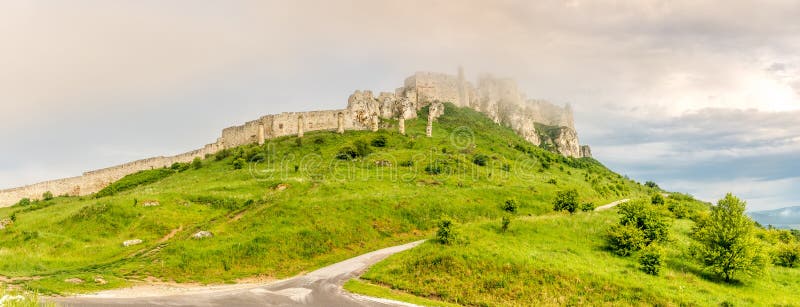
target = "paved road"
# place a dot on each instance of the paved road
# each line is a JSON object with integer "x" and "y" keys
{"x": 611, "y": 205}
{"x": 322, "y": 287}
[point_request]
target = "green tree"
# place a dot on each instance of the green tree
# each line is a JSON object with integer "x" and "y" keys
{"x": 566, "y": 201}
{"x": 726, "y": 242}
{"x": 624, "y": 240}
{"x": 47, "y": 195}
{"x": 239, "y": 163}
{"x": 24, "y": 202}
{"x": 445, "y": 234}
{"x": 510, "y": 206}
{"x": 505, "y": 223}
{"x": 654, "y": 225}
{"x": 196, "y": 163}
{"x": 650, "y": 260}
{"x": 657, "y": 199}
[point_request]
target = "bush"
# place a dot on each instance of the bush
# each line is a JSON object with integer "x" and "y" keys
{"x": 433, "y": 169}
{"x": 585, "y": 207}
{"x": 362, "y": 148}
{"x": 652, "y": 224}
{"x": 134, "y": 180}
{"x": 679, "y": 210}
{"x": 552, "y": 181}
{"x": 505, "y": 223}
{"x": 179, "y": 167}
{"x": 222, "y": 154}
{"x": 651, "y": 184}
{"x": 787, "y": 255}
{"x": 510, "y": 206}
{"x": 379, "y": 141}
{"x": 346, "y": 153}
{"x": 657, "y": 199}
{"x": 238, "y": 163}
{"x": 506, "y": 167}
{"x": 624, "y": 240}
{"x": 566, "y": 201}
{"x": 47, "y": 195}
{"x": 445, "y": 234}
{"x": 650, "y": 260}
{"x": 407, "y": 163}
{"x": 24, "y": 202}
{"x": 197, "y": 163}
{"x": 259, "y": 157}
{"x": 480, "y": 159}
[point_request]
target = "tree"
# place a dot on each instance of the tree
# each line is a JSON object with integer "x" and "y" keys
{"x": 650, "y": 260}
{"x": 651, "y": 184}
{"x": 505, "y": 223}
{"x": 445, "y": 235}
{"x": 566, "y": 201}
{"x": 657, "y": 199}
{"x": 653, "y": 225}
{"x": 726, "y": 242}
{"x": 196, "y": 163}
{"x": 24, "y": 202}
{"x": 510, "y": 206}
{"x": 239, "y": 163}
{"x": 47, "y": 195}
{"x": 624, "y": 240}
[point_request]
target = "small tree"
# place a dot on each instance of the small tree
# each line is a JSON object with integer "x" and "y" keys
{"x": 787, "y": 255}
{"x": 379, "y": 141}
{"x": 445, "y": 235}
{"x": 657, "y": 199}
{"x": 624, "y": 240}
{"x": 505, "y": 223}
{"x": 651, "y": 185}
{"x": 510, "y": 206}
{"x": 480, "y": 159}
{"x": 47, "y": 195}
{"x": 727, "y": 246}
{"x": 238, "y": 163}
{"x": 566, "y": 201}
{"x": 24, "y": 202}
{"x": 197, "y": 163}
{"x": 650, "y": 260}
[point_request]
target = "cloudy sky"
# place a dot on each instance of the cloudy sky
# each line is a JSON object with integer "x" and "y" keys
{"x": 702, "y": 97}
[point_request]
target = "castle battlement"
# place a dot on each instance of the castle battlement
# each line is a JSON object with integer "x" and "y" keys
{"x": 498, "y": 98}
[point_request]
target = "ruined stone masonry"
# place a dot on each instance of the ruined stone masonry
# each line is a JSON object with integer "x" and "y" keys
{"x": 498, "y": 98}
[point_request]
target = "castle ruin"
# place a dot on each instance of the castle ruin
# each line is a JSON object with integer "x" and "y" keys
{"x": 499, "y": 99}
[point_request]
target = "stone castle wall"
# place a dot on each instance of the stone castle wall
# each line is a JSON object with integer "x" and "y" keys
{"x": 499, "y": 99}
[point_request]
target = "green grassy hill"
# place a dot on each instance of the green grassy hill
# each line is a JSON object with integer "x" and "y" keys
{"x": 294, "y": 205}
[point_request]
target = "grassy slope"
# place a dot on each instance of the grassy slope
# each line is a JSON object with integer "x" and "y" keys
{"x": 331, "y": 210}
{"x": 559, "y": 259}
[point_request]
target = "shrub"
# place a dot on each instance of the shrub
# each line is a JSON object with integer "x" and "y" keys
{"x": 407, "y": 163}
{"x": 679, "y": 210}
{"x": 179, "y": 167}
{"x": 379, "y": 141}
{"x": 47, "y": 195}
{"x": 506, "y": 167}
{"x": 134, "y": 180}
{"x": 552, "y": 181}
{"x": 624, "y": 240}
{"x": 445, "y": 234}
{"x": 652, "y": 224}
{"x": 238, "y": 163}
{"x": 222, "y": 154}
{"x": 362, "y": 148}
{"x": 480, "y": 159}
{"x": 433, "y": 169}
{"x": 259, "y": 157}
{"x": 24, "y": 202}
{"x": 505, "y": 223}
{"x": 589, "y": 206}
{"x": 651, "y": 184}
{"x": 657, "y": 199}
{"x": 197, "y": 163}
{"x": 566, "y": 201}
{"x": 650, "y": 260}
{"x": 319, "y": 141}
{"x": 298, "y": 142}
{"x": 510, "y": 206}
{"x": 346, "y": 153}
{"x": 787, "y": 255}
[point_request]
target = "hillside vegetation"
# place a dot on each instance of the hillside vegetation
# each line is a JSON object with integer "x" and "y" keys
{"x": 293, "y": 205}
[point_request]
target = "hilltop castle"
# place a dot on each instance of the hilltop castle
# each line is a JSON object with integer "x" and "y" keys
{"x": 499, "y": 99}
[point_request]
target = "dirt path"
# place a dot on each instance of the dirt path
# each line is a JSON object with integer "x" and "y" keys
{"x": 611, "y": 205}
{"x": 322, "y": 287}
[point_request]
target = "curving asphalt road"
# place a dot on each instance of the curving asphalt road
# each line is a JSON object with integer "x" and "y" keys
{"x": 322, "y": 287}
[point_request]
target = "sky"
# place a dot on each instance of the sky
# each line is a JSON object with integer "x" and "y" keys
{"x": 699, "y": 96}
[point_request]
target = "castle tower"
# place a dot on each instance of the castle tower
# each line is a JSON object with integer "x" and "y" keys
{"x": 429, "y": 127}
{"x": 374, "y": 125}
{"x": 340, "y": 124}
{"x": 261, "y": 134}
{"x": 300, "y": 124}
{"x": 401, "y": 124}
{"x": 462, "y": 89}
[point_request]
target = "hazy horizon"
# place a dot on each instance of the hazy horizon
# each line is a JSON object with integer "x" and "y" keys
{"x": 698, "y": 99}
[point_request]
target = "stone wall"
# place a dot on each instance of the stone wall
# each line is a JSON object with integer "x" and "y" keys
{"x": 500, "y": 99}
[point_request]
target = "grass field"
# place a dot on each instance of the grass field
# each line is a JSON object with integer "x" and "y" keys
{"x": 293, "y": 207}
{"x": 561, "y": 259}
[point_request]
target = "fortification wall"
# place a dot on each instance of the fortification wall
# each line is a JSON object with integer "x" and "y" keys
{"x": 432, "y": 86}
